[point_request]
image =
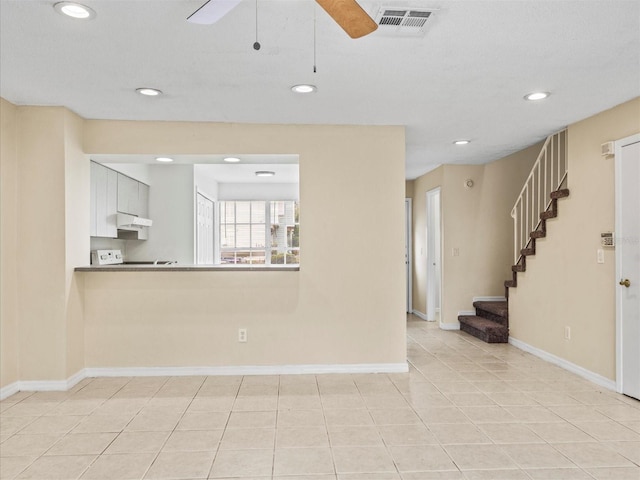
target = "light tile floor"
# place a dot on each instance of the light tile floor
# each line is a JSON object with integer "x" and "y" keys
{"x": 466, "y": 410}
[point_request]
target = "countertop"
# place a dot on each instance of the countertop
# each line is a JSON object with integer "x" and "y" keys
{"x": 187, "y": 268}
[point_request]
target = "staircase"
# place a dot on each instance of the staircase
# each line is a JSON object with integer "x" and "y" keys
{"x": 539, "y": 232}
{"x": 537, "y": 202}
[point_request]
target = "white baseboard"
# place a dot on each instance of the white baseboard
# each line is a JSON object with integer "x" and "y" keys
{"x": 248, "y": 370}
{"x": 9, "y": 390}
{"x": 450, "y": 326}
{"x": 567, "y": 365}
{"x": 63, "y": 385}
{"x": 42, "y": 385}
{"x": 489, "y": 299}
{"x": 421, "y": 315}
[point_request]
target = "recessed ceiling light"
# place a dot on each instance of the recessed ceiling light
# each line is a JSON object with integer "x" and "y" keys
{"x": 74, "y": 10}
{"x": 303, "y": 88}
{"x": 164, "y": 159}
{"x": 462, "y": 142}
{"x": 265, "y": 173}
{"x": 536, "y": 95}
{"x": 231, "y": 159}
{"x": 149, "y": 92}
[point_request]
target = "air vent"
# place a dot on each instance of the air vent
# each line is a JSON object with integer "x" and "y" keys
{"x": 405, "y": 21}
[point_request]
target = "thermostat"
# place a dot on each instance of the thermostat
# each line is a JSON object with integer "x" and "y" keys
{"x": 606, "y": 239}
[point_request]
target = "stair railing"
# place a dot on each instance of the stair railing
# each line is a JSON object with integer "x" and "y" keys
{"x": 548, "y": 174}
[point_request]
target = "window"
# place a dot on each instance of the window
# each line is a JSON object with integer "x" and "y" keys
{"x": 251, "y": 229}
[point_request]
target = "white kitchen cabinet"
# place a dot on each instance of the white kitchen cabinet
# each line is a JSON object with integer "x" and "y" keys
{"x": 143, "y": 209}
{"x": 113, "y": 193}
{"x": 93, "y": 229}
{"x": 107, "y": 226}
{"x": 104, "y": 190}
{"x": 127, "y": 195}
{"x": 143, "y": 200}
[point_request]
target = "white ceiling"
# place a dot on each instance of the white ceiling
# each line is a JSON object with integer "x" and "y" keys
{"x": 465, "y": 78}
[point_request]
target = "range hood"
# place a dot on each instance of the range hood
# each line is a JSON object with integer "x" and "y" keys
{"x": 132, "y": 222}
{"x": 132, "y": 227}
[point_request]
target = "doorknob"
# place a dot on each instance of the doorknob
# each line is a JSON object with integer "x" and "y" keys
{"x": 625, "y": 282}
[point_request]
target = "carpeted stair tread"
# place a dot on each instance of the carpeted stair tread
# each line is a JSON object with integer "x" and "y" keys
{"x": 500, "y": 309}
{"x": 563, "y": 193}
{"x": 484, "y": 329}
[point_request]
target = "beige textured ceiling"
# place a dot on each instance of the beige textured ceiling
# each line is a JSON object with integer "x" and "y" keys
{"x": 465, "y": 78}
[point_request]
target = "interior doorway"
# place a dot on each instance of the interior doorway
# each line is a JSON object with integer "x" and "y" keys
{"x": 408, "y": 218}
{"x": 434, "y": 271}
{"x": 627, "y": 237}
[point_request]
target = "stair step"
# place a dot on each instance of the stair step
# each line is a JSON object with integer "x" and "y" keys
{"x": 495, "y": 311}
{"x": 563, "y": 193}
{"x": 521, "y": 266}
{"x": 525, "y": 252}
{"x": 510, "y": 283}
{"x": 484, "y": 329}
{"x": 500, "y": 308}
{"x": 548, "y": 214}
{"x": 538, "y": 234}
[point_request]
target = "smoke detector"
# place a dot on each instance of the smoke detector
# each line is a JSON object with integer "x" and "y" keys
{"x": 403, "y": 21}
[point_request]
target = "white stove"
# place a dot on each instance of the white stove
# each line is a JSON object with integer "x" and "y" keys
{"x": 106, "y": 257}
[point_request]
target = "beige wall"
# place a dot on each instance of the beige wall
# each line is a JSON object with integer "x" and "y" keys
{"x": 477, "y": 222}
{"x": 77, "y": 192}
{"x": 8, "y": 244}
{"x": 323, "y": 314}
{"x": 344, "y": 306}
{"x": 563, "y": 284}
{"x": 51, "y": 224}
{"x": 408, "y": 188}
{"x": 41, "y": 247}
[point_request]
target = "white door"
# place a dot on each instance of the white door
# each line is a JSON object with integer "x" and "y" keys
{"x": 628, "y": 265}
{"x": 433, "y": 255}
{"x": 407, "y": 253}
{"x": 204, "y": 230}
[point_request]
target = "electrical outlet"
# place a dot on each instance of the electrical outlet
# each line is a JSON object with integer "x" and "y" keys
{"x": 455, "y": 252}
{"x": 600, "y": 255}
{"x": 567, "y": 333}
{"x": 242, "y": 335}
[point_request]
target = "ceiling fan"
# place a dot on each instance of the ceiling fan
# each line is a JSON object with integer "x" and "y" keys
{"x": 346, "y": 13}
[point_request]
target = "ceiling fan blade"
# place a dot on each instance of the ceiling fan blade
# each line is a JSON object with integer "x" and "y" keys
{"x": 212, "y": 11}
{"x": 350, "y": 16}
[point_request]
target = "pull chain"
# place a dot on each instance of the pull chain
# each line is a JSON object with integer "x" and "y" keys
{"x": 314, "y": 37}
{"x": 256, "y": 45}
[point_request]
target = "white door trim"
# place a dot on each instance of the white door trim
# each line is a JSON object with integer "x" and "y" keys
{"x": 432, "y": 270}
{"x": 408, "y": 209}
{"x": 619, "y": 144}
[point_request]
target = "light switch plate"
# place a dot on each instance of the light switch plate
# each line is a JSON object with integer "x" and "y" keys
{"x": 600, "y": 255}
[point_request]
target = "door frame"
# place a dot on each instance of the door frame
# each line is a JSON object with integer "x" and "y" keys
{"x": 408, "y": 229}
{"x": 433, "y": 235}
{"x": 619, "y": 144}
